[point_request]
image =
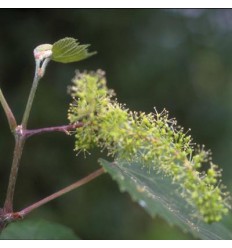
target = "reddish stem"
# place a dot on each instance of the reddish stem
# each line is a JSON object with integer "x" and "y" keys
{"x": 20, "y": 136}
{"x": 6, "y": 218}
{"x": 59, "y": 193}
{"x": 8, "y": 205}
{"x": 65, "y": 129}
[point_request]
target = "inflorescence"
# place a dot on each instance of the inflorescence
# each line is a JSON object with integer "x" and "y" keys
{"x": 153, "y": 139}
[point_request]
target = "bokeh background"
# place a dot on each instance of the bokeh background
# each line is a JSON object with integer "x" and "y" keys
{"x": 178, "y": 59}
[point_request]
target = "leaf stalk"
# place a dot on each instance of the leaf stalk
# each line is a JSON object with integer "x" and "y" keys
{"x": 10, "y": 116}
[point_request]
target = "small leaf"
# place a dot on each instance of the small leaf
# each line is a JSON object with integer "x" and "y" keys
{"x": 158, "y": 195}
{"x": 40, "y": 229}
{"x": 68, "y": 50}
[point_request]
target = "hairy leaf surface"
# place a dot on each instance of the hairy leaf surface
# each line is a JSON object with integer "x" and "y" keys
{"x": 158, "y": 195}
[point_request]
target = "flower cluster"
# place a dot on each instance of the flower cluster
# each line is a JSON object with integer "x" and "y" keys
{"x": 154, "y": 140}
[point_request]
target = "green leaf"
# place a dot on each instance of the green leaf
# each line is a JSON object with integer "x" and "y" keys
{"x": 158, "y": 195}
{"x": 40, "y": 229}
{"x": 68, "y": 50}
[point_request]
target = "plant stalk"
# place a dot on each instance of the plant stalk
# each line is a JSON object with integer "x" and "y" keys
{"x": 19, "y": 144}
{"x": 19, "y": 133}
{"x": 71, "y": 187}
{"x": 20, "y": 137}
{"x": 65, "y": 129}
{"x": 8, "y": 112}
{"x": 30, "y": 100}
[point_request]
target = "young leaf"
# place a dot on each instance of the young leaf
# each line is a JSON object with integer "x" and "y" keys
{"x": 68, "y": 50}
{"x": 35, "y": 230}
{"x": 158, "y": 195}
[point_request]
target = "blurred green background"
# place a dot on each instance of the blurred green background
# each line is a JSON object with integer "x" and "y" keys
{"x": 180, "y": 60}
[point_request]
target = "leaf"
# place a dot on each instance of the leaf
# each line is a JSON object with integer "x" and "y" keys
{"x": 159, "y": 196}
{"x": 39, "y": 229}
{"x": 68, "y": 50}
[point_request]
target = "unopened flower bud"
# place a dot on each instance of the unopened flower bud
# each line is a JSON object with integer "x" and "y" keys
{"x": 43, "y": 51}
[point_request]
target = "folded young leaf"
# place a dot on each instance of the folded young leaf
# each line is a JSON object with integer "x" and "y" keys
{"x": 68, "y": 50}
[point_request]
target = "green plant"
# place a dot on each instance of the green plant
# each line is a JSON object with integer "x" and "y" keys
{"x": 154, "y": 159}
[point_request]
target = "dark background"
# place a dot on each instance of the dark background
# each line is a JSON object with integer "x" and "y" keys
{"x": 180, "y": 60}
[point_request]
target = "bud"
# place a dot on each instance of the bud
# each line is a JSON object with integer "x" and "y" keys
{"x": 42, "y": 52}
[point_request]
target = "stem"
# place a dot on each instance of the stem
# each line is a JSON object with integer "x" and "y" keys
{"x": 73, "y": 186}
{"x": 65, "y": 128}
{"x": 20, "y": 137}
{"x": 27, "y": 111}
{"x": 8, "y": 112}
{"x": 19, "y": 144}
{"x": 44, "y": 65}
{"x": 19, "y": 133}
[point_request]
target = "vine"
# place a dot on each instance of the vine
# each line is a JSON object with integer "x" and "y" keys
{"x": 152, "y": 142}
